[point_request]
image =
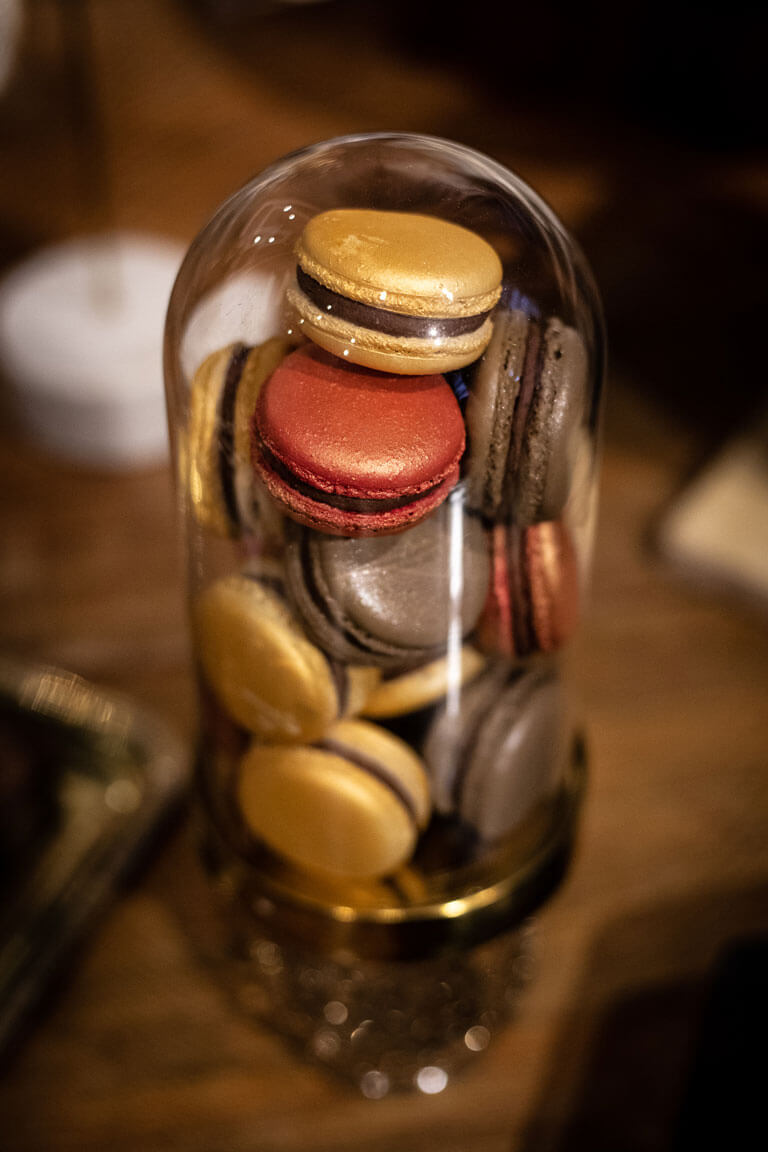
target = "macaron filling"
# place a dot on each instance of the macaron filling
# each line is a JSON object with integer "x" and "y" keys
{"x": 511, "y": 616}
{"x": 523, "y": 628}
{"x": 344, "y": 503}
{"x": 531, "y": 371}
{"x": 492, "y": 762}
{"x": 373, "y": 768}
{"x": 383, "y": 320}
{"x": 225, "y": 431}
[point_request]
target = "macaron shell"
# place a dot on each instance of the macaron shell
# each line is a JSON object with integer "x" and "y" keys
{"x": 534, "y": 597}
{"x": 518, "y": 756}
{"x": 266, "y": 674}
{"x": 397, "y": 760}
{"x": 550, "y": 441}
{"x": 410, "y": 590}
{"x": 200, "y": 465}
{"x": 554, "y": 584}
{"x": 339, "y": 522}
{"x": 490, "y": 410}
{"x": 203, "y": 458}
{"x": 261, "y": 363}
{"x": 361, "y": 683}
{"x": 322, "y": 811}
{"x": 449, "y": 742}
{"x": 323, "y": 619}
{"x": 496, "y": 631}
{"x": 402, "y": 261}
{"x": 424, "y": 685}
{"x": 352, "y": 432}
{"x": 403, "y": 355}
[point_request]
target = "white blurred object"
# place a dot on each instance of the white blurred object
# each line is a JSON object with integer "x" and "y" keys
{"x": 81, "y": 337}
{"x": 10, "y": 34}
{"x": 716, "y": 531}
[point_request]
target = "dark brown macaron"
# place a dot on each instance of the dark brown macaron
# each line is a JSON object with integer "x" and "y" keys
{"x": 524, "y": 412}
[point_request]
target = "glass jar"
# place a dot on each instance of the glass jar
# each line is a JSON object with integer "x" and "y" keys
{"x": 384, "y": 358}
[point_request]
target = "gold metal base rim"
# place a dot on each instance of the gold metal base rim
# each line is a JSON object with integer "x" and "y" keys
{"x": 500, "y": 899}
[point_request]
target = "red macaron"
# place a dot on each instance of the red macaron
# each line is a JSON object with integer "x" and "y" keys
{"x": 351, "y": 451}
{"x": 533, "y": 599}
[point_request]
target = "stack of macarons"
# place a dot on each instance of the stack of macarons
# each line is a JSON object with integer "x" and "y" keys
{"x": 393, "y": 472}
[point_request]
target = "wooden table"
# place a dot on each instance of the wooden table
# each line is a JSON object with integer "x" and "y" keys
{"x": 139, "y": 1048}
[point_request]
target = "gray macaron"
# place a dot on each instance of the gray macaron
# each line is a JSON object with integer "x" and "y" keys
{"x": 391, "y": 601}
{"x": 526, "y": 405}
{"x": 498, "y": 751}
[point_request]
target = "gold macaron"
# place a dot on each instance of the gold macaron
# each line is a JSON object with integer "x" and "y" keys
{"x": 266, "y": 674}
{"x": 419, "y": 687}
{"x": 351, "y": 805}
{"x": 215, "y": 462}
{"x": 396, "y": 291}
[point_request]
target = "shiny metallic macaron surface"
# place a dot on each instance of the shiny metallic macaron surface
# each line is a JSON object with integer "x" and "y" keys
{"x": 534, "y": 599}
{"x": 350, "y": 805}
{"x": 524, "y": 415}
{"x": 268, "y": 677}
{"x": 215, "y": 461}
{"x": 401, "y": 261}
{"x": 398, "y": 291}
{"x": 391, "y": 601}
{"x": 351, "y": 451}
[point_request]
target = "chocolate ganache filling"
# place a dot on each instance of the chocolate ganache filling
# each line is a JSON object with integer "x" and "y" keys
{"x": 379, "y": 319}
{"x": 373, "y": 768}
{"x": 334, "y": 499}
{"x": 226, "y": 431}
{"x": 534, "y": 351}
{"x": 523, "y": 624}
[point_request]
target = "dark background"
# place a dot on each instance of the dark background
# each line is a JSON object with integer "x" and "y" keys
{"x": 644, "y": 127}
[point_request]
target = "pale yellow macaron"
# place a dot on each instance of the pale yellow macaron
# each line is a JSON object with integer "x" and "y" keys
{"x": 397, "y": 291}
{"x": 419, "y": 687}
{"x": 351, "y": 805}
{"x": 264, "y": 671}
{"x": 216, "y": 467}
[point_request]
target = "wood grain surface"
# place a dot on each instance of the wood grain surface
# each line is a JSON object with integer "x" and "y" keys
{"x": 139, "y": 1048}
